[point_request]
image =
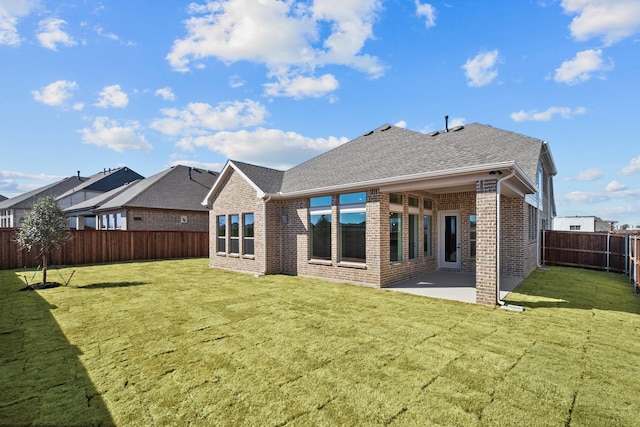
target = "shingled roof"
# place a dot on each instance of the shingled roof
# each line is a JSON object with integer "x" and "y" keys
{"x": 103, "y": 181}
{"x": 179, "y": 188}
{"x": 390, "y": 151}
{"x": 26, "y": 200}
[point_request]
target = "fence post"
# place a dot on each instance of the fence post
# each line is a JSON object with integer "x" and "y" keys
{"x": 608, "y": 249}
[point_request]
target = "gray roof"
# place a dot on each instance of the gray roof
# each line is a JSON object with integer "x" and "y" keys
{"x": 268, "y": 180}
{"x": 26, "y": 200}
{"x": 3, "y": 197}
{"x": 95, "y": 202}
{"x": 391, "y": 151}
{"x": 178, "y": 188}
{"x": 105, "y": 181}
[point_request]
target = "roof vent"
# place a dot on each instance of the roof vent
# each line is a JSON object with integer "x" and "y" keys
{"x": 368, "y": 133}
{"x": 434, "y": 133}
{"x": 457, "y": 128}
{"x": 387, "y": 128}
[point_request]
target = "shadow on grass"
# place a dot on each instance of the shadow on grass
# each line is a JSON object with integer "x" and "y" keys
{"x": 565, "y": 287}
{"x": 42, "y": 377}
{"x": 113, "y": 285}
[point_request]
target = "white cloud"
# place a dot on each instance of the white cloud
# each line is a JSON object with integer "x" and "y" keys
{"x": 236, "y": 81}
{"x": 285, "y": 36}
{"x": 401, "y": 124}
{"x": 28, "y": 176}
{"x": 480, "y": 70}
{"x": 270, "y": 147}
{"x": 634, "y": 166}
{"x": 55, "y": 93}
{"x": 50, "y": 34}
{"x": 166, "y": 93}
{"x": 588, "y": 175}
{"x": 300, "y": 87}
{"x": 615, "y": 186}
{"x": 199, "y": 118}
{"x": 112, "y": 96}
{"x": 581, "y": 68}
{"x": 611, "y": 20}
{"x": 545, "y": 116}
{"x": 599, "y": 196}
{"x": 216, "y": 167}
{"x": 10, "y": 13}
{"x": 109, "y": 133}
{"x": 428, "y": 12}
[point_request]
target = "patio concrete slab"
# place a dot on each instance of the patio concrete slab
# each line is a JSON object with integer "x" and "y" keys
{"x": 450, "y": 285}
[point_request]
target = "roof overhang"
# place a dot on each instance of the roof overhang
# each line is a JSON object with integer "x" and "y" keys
{"x": 450, "y": 180}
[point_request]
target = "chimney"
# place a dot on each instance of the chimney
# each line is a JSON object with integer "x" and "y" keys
{"x": 446, "y": 123}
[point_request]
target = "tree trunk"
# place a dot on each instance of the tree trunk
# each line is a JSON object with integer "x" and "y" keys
{"x": 44, "y": 267}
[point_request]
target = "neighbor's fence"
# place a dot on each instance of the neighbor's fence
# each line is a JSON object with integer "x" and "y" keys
{"x": 618, "y": 253}
{"x": 94, "y": 246}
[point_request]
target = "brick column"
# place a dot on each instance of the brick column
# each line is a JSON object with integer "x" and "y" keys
{"x": 486, "y": 216}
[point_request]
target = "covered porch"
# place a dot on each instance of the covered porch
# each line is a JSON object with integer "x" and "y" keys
{"x": 457, "y": 286}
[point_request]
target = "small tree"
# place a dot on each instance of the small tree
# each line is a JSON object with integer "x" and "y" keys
{"x": 44, "y": 229}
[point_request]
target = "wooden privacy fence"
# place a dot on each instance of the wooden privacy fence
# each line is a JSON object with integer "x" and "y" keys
{"x": 93, "y": 247}
{"x": 618, "y": 253}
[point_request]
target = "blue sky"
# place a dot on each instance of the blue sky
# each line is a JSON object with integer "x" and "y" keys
{"x": 87, "y": 85}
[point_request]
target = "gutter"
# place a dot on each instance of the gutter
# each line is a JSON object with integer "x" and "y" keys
{"x": 498, "y": 300}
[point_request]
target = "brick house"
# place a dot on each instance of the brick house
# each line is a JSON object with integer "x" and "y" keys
{"x": 167, "y": 201}
{"x": 390, "y": 205}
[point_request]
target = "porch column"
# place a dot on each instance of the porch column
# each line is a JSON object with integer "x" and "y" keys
{"x": 80, "y": 222}
{"x": 486, "y": 257}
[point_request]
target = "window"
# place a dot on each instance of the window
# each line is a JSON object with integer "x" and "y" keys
{"x": 427, "y": 224}
{"x": 413, "y": 235}
{"x": 395, "y": 198}
{"x": 137, "y": 217}
{"x": 234, "y": 234}
{"x": 221, "y": 227}
{"x": 395, "y": 236}
{"x": 320, "y": 228}
{"x": 413, "y": 202}
{"x": 184, "y": 219}
{"x": 472, "y": 235}
{"x": 427, "y": 227}
{"x": 119, "y": 220}
{"x": 247, "y": 234}
{"x": 533, "y": 223}
{"x": 104, "y": 222}
{"x": 574, "y": 227}
{"x": 112, "y": 222}
{"x": 353, "y": 226}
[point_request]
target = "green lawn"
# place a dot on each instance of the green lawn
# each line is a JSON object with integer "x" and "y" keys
{"x": 176, "y": 343}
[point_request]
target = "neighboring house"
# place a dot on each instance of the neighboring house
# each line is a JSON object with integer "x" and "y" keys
{"x": 15, "y": 208}
{"x": 169, "y": 200}
{"x": 83, "y": 215}
{"x": 589, "y": 224}
{"x": 3, "y": 198}
{"x": 390, "y": 205}
{"x": 97, "y": 184}
{"x": 583, "y": 223}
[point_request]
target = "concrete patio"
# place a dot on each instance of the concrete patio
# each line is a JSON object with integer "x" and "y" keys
{"x": 450, "y": 285}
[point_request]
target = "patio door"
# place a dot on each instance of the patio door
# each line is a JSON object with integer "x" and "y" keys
{"x": 449, "y": 241}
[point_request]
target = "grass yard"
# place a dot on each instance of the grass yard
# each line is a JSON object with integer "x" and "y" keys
{"x": 176, "y": 343}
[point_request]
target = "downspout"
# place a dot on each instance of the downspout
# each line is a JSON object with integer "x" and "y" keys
{"x": 498, "y": 300}
{"x": 264, "y": 231}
